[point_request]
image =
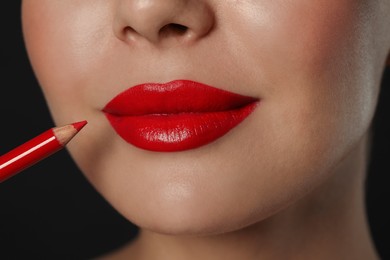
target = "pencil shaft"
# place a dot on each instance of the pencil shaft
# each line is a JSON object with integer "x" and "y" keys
{"x": 28, "y": 154}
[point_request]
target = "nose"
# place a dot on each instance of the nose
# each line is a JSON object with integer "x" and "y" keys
{"x": 160, "y": 20}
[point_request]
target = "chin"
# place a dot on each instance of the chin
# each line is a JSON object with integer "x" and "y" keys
{"x": 182, "y": 222}
{"x": 197, "y": 215}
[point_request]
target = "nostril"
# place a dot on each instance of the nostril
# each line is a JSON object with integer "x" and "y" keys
{"x": 173, "y": 29}
{"x": 169, "y": 30}
{"x": 170, "y": 21}
{"x": 128, "y": 31}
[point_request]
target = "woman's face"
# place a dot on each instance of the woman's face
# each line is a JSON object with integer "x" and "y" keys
{"x": 315, "y": 66}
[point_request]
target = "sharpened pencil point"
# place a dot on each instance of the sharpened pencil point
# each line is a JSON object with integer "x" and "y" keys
{"x": 79, "y": 125}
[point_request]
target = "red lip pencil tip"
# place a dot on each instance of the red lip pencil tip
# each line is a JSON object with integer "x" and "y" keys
{"x": 79, "y": 125}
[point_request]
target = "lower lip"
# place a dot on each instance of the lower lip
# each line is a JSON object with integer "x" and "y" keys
{"x": 177, "y": 132}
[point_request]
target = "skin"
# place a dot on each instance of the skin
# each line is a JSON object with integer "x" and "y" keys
{"x": 287, "y": 183}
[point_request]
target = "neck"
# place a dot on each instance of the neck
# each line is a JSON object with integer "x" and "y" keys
{"x": 329, "y": 223}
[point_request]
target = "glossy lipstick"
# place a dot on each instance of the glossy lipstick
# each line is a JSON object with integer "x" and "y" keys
{"x": 176, "y": 116}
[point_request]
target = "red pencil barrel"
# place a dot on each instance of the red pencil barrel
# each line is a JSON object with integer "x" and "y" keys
{"x": 28, "y": 154}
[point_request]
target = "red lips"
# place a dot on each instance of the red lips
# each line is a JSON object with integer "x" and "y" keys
{"x": 176, "y": 116}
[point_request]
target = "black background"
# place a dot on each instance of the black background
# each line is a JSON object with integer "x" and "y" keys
{"x": 47, "y": 213}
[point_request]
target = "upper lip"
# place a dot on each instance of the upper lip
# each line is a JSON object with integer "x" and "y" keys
{"x": 175, "y": 97}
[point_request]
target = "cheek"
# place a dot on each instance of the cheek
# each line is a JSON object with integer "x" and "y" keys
{"x": 64, "y": 40}
{"x": 314, "y": 61}
{"x": 68, "y": 49}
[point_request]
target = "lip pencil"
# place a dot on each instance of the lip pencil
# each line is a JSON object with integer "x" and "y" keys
{"x": 37, "y": 149}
